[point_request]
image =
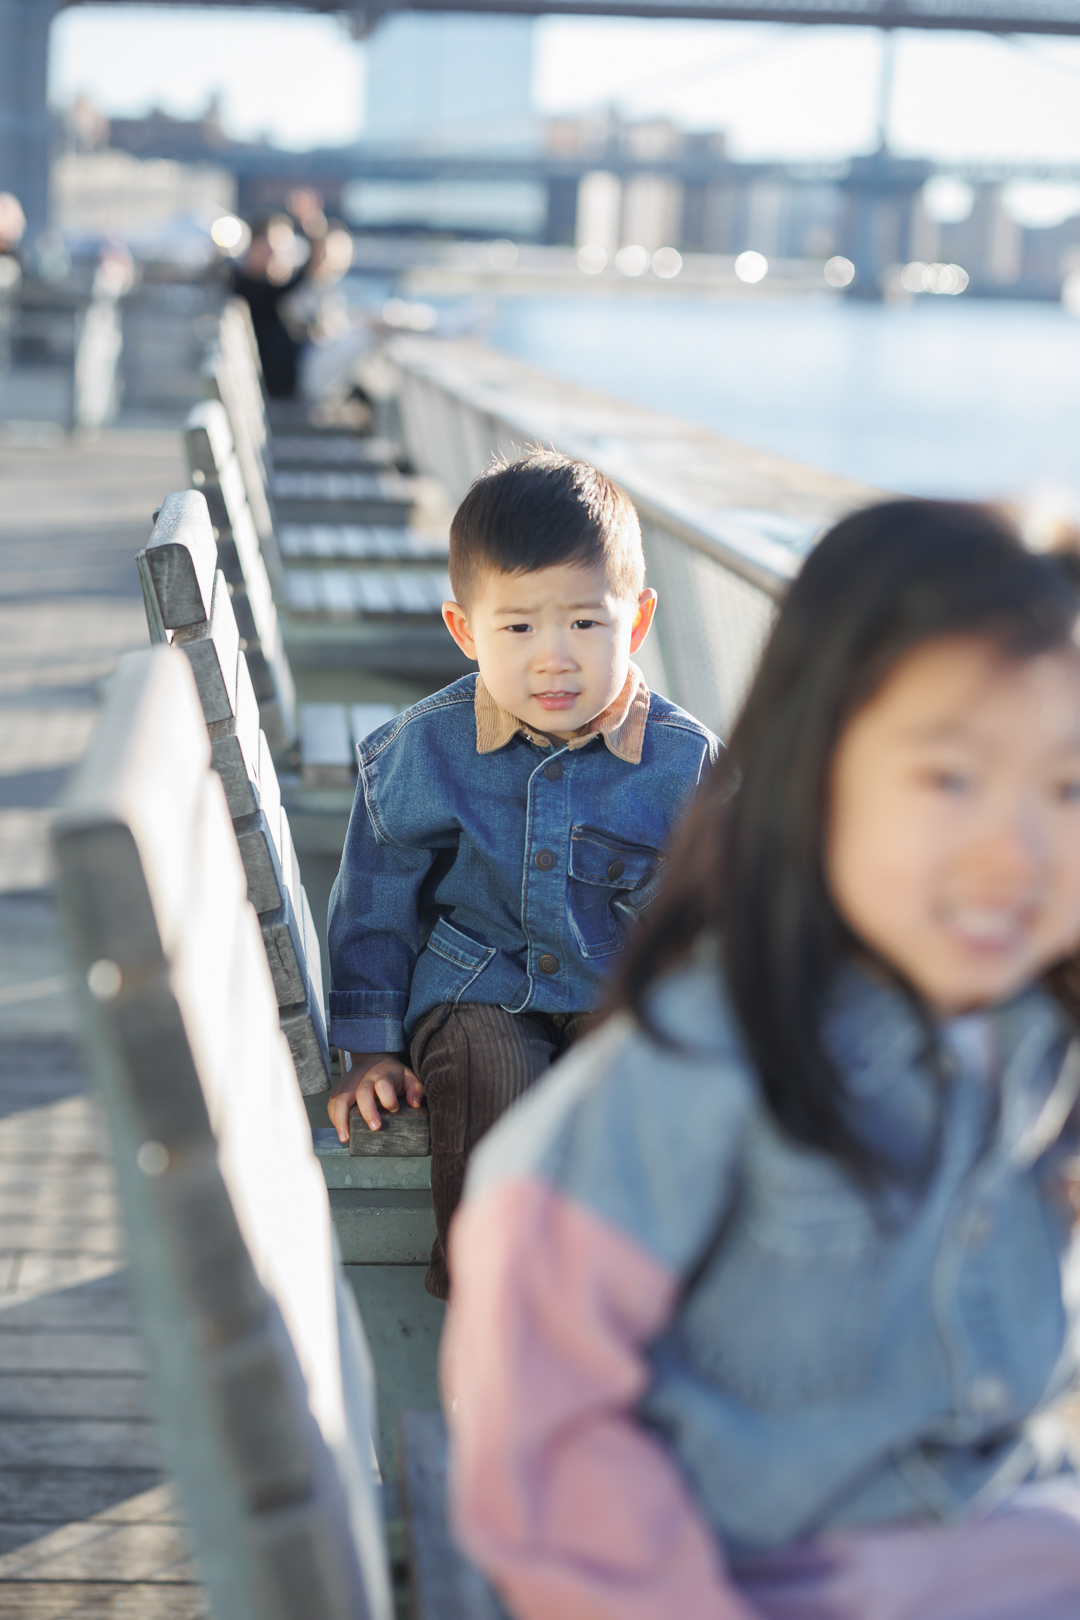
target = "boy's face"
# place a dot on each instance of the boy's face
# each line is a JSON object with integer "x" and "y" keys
{"x": 553, "y": 646}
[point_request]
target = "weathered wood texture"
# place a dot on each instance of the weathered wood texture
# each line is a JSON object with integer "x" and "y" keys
{"x": 352, "y": 542}
{"x": 70, "y": 1359}
{"x": 256, "y": 1353}
{"x": 183, "y": 569}
{"x": 406, "y": 1134}
{"x": 241, "y": 755}
{"x": 216, "y": 473}
{"x": 83, "y": 1511}
{"x": 444, "y": 1585}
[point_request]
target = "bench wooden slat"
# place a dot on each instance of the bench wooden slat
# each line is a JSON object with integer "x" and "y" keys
{"x": 305, "y": 1031}
{"x": 362, "y": 542}
{"x": 286, "y": 952}
{"x": 217, "y": 473}
{"x": 325, "y": 738}
{"x": 305, "y": 451}
{"x": 367, "y": 717}
{"x": 182, "y": 559}
{"x": 234, "y": 748}
{"x": 375, "y": 592}
{"x": 312, "y": 950}
{"x": 213, "y": 648}
{"x": 406, "y": 1134}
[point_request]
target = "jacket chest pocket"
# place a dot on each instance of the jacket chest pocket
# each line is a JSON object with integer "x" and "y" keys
{"x": 610, "y": 883}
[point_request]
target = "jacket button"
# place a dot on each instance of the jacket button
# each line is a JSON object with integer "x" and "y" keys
{"x": 544, "y": 859}
{"x": 548, "y": 963}
{"x": 616, "y": 869}
{"x": 988, "y": 1395}
{"x": 553, "y": 770}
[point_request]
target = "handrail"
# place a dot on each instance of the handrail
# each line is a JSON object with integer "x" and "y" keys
{"x": 766, "y": 564}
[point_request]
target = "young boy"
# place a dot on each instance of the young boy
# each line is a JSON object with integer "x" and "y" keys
{"x": 508, "y": 830}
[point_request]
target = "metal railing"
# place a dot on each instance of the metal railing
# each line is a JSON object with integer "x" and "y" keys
{"x": 718, "y": 579}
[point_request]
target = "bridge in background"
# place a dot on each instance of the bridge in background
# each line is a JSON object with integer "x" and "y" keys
{"x": 26, "y": 127}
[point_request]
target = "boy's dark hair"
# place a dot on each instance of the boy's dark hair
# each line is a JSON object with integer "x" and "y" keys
{"x": 538, "y": 512}
{"x": 749, "y": 868}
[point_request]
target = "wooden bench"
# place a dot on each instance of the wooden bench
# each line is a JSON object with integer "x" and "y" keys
{"x": 258, "y": 1358}
{"x": 333, "y": 452}
{"x": 381, "y": 1201}
{"x": 323, "y": 488}
{"x": 376, "y": 617}
{"x": 188, "y": 603}
{"x": 256, "y": 1352}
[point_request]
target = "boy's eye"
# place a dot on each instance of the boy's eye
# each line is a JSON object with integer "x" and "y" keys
{"x": 518, "y": 629}
{"x": 583, "y": 624}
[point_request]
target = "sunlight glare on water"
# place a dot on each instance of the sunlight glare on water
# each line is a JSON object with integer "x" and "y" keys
{"x": 968, "y": 398}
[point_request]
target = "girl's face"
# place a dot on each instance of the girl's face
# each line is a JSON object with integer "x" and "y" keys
{"x": 953, "y": 846}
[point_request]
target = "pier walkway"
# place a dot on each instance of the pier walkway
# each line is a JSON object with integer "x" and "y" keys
{"x": 88, "y": 1528}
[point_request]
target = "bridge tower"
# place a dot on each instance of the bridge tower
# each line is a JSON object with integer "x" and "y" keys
{"x": 25, "y": 131}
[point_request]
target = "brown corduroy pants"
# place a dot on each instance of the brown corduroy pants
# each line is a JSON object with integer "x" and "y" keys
{"x": 474, "y": 1062}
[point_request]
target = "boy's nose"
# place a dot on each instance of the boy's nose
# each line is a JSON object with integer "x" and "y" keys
{"x": 553, "y": 655}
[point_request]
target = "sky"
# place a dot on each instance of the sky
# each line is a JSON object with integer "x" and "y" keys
{"x": 778, "y": 92}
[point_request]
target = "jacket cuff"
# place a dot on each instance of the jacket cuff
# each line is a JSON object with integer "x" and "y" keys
{"x": 356, "y": 1028}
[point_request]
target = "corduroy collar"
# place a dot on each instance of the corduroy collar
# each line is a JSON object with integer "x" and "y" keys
{"x": 621, "y": 724}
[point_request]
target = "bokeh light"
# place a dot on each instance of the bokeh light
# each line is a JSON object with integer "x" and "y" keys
{"x": 632, "y": 260}
{"x": 751, "y": 267}
{"x": 407, "y": 317}
{"x": 591, "y": 259}
{"x": 230, "y": 234}
{"x": 838, "y": 271}
{"x": 918, "y": 277}
{"x": 666, "y": 263}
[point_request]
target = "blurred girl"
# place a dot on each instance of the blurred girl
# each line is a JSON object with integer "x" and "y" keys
{"x": 762, "y": 1301}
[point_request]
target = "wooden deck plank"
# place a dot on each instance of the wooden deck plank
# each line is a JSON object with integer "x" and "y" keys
{"x": 78, "y": 1443}
{"x": 88, "y": 1531}
{"x": 41, "y": 1350}
{"x": 100, "y": 1304}
{"x": 96, "y": 1551}
{"x": 73, "y": 1395}
{"x": 58, "y": 1495}
{"x": 101, "y": 1600}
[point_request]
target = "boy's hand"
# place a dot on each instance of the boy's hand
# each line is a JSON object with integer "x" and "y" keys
{"x": 374, "y": 1078}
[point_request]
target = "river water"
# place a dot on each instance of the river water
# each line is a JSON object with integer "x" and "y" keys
{"x": 957, "y": 397}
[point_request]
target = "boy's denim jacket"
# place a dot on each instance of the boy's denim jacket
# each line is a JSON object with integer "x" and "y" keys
{"x": 507, "y": 878}
{"x": 812, "y": 1355}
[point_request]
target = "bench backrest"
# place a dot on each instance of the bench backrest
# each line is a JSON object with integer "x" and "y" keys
{"x": 216, "y": 473}
{"x": 188, "y": 603}
{"x": 256, "y": 1353}
{"x": 233, "y": 376}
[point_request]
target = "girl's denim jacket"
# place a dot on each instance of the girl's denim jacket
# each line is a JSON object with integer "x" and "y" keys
{"x": 643, "y": 1256}
{"x": 508, "y": 878}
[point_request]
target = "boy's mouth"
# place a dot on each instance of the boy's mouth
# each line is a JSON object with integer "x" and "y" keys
{"x": 556, "y": 700}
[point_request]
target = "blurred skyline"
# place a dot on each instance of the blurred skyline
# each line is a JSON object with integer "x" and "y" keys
{"x": 776, "y": 91}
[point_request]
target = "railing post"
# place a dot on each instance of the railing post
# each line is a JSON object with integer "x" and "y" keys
{"x": 25, "y": 121}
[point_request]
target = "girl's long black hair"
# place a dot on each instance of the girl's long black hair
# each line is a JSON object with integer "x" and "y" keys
{"x": 749, "y": 866}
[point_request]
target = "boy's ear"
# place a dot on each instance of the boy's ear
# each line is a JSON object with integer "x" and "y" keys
{"x": 643, "y": 618}
{"x": 458, "y": 626}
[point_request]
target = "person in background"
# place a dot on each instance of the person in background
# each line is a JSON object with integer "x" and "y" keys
{"x": 273, "y": 269}
{"x": 509, "y": 830}
{"x": 764, "y": 1299}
